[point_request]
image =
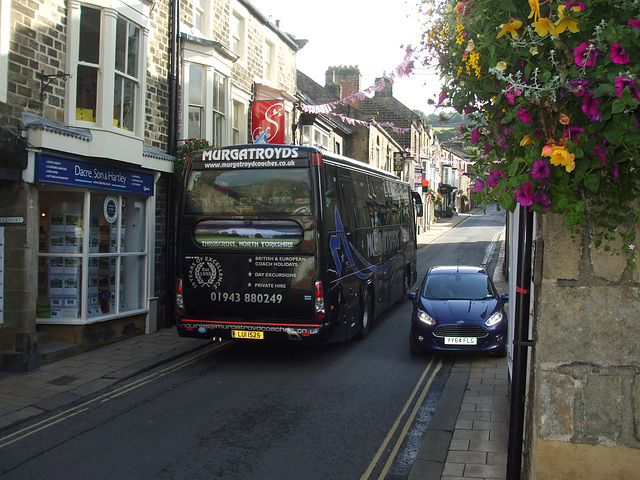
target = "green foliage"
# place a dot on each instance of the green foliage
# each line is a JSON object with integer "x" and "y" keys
{"x": 183, "y": 152}
{"x": 552, "y": 94}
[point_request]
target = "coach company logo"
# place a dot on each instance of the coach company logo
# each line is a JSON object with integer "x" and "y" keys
{"x": 205, "y": 272}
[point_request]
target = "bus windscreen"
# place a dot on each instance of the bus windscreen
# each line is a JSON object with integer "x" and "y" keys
{"x": 249, "y": 192}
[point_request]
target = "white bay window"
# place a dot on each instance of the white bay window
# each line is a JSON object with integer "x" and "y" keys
{"x": 106, "y": 44}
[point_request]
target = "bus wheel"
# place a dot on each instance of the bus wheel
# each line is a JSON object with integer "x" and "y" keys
{"x": 405, "y": 286}
{"x": 366, "y": 316}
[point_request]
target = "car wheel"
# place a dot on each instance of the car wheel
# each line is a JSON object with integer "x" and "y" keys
{"x": 366, "y": 317}
{"x": 414, "y": 348}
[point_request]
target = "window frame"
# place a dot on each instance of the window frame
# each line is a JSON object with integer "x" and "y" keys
{"x": 110, "y": 12}
{"x": 215, "y": 66}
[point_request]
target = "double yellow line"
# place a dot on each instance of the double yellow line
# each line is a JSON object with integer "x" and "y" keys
{"x": 421, "y": 387}
{"x": 71, "y": 412}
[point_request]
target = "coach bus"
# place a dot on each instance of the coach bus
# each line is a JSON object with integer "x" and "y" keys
{"x": 290, "y": 243}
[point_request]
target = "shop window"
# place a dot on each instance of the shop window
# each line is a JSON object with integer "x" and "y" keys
{"x": 92, "y": 256}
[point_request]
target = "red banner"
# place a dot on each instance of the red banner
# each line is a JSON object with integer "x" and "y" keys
{"x": 267, "y": 121}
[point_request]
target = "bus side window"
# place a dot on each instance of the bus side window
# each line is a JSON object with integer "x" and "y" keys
{"x": 361, "y": 202}
{"x": 331, "y": 196}
{"x": 346, "y": 201}
{"x": 377, "y": 194}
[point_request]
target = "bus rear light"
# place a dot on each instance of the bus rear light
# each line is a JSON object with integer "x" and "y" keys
{"x": 319, "y": 304}
{"x": 179, "y": 298}
{"x": 316, "y": 159}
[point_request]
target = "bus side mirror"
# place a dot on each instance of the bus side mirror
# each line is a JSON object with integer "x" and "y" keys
{"x": 418, "y": 202}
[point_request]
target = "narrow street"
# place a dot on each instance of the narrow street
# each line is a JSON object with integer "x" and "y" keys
{"x": 256, "y": 411}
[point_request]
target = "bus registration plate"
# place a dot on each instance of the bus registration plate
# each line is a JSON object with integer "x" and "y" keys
{"x": 247, "y": 334}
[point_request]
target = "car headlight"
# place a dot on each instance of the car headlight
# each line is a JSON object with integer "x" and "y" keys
{"x": 494, "y": 319}
{"x": 425, "y": 318}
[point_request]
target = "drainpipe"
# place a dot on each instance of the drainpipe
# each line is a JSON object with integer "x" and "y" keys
{"x": 173, "y": 147}
{"x": 521, "y": 343}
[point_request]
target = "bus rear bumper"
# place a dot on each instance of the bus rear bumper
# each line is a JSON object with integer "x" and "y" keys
{"x": 291, "y": 332}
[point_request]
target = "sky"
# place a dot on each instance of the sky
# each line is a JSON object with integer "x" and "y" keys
{"x": 371, "y": 34}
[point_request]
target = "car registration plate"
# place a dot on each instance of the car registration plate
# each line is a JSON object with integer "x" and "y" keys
{"x": 460, "y": 341}
{"x": 247, "y": 334}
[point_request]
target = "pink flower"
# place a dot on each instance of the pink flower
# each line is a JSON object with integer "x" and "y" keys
{"x": 601, "y": 154}
{"x": 618, "y": 54}
{"x": 540, "y": 170}
{"x": 570, "y": 5}
{"x": 479, "y": 185}
{"x": 622, "y": 82}
{"x": 541, "y": 198}
{"x": 578, "y": 87}
{"x": 634, "y": 23}
{"x": 511, "y": 94}
{"x": 442, "y": 97}
{"x": 493, "y": 178}
{"x": 616, "y": 170}
{"x": 590, "y": 107}
{"x": 475, "y": 136}
{"x": 573, "y": 132}
{"x": 524, "y": 115}
{"x": 524, "y": 195}
{"x": 585, "y": 55}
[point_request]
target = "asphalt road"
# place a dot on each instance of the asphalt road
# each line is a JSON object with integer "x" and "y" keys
{"x": 356, "y": 410}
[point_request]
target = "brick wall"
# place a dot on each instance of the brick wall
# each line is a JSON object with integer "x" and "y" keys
{"x": 37, "y": 41}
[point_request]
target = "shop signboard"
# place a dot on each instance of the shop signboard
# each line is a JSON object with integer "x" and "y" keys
{"x": 75, "y": 173}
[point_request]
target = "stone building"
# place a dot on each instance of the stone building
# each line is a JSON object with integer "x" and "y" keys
{"x": 95, "y": 97}
{"x": 575, "y": 397}
{"x": 346, "y": 130}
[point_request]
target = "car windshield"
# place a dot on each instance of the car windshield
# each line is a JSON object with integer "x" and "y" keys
{"x": 458, "y": 286}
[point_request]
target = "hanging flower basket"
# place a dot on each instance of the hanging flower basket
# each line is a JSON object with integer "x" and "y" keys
{"x": 552, "y": 92}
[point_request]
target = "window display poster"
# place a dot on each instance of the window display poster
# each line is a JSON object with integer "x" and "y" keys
{"x": 1, "y": 275}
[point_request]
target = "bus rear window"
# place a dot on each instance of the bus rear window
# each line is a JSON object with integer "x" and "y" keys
{"x": 248, "y": 192}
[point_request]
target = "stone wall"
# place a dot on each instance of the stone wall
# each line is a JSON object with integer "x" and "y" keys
{"x": 583, "y": 412}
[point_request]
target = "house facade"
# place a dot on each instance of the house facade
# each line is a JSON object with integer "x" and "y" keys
{"x": 95, "y": 97}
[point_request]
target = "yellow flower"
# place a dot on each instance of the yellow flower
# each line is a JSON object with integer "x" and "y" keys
{"x": 535, "y": 10}
{"x": 559, "y": 156}
{"x": 526, "y": 140}
{"x": 566, "y": 21}
{"x": 511, "y": 28}
{"x": 544, "y": 27}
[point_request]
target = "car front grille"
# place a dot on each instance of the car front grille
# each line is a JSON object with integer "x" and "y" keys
{"x": 460, "y": 331}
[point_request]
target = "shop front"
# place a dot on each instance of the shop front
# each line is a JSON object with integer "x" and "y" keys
{"x": 95, "y": 221}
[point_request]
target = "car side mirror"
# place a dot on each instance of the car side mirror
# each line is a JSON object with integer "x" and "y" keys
{"x": 505, "y": 297}
{"x": 412, "y": 296}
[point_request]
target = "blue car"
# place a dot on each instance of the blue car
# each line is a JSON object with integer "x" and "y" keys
{"x": 458, "y": 309}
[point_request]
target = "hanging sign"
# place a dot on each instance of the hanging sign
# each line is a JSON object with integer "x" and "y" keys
{"x": 267, "y": 121}
{"x": 398, "y": 162}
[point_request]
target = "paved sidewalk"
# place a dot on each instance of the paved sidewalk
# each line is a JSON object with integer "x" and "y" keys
{"x": 26, "y": 395}
{"x": 466, "y": 439}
